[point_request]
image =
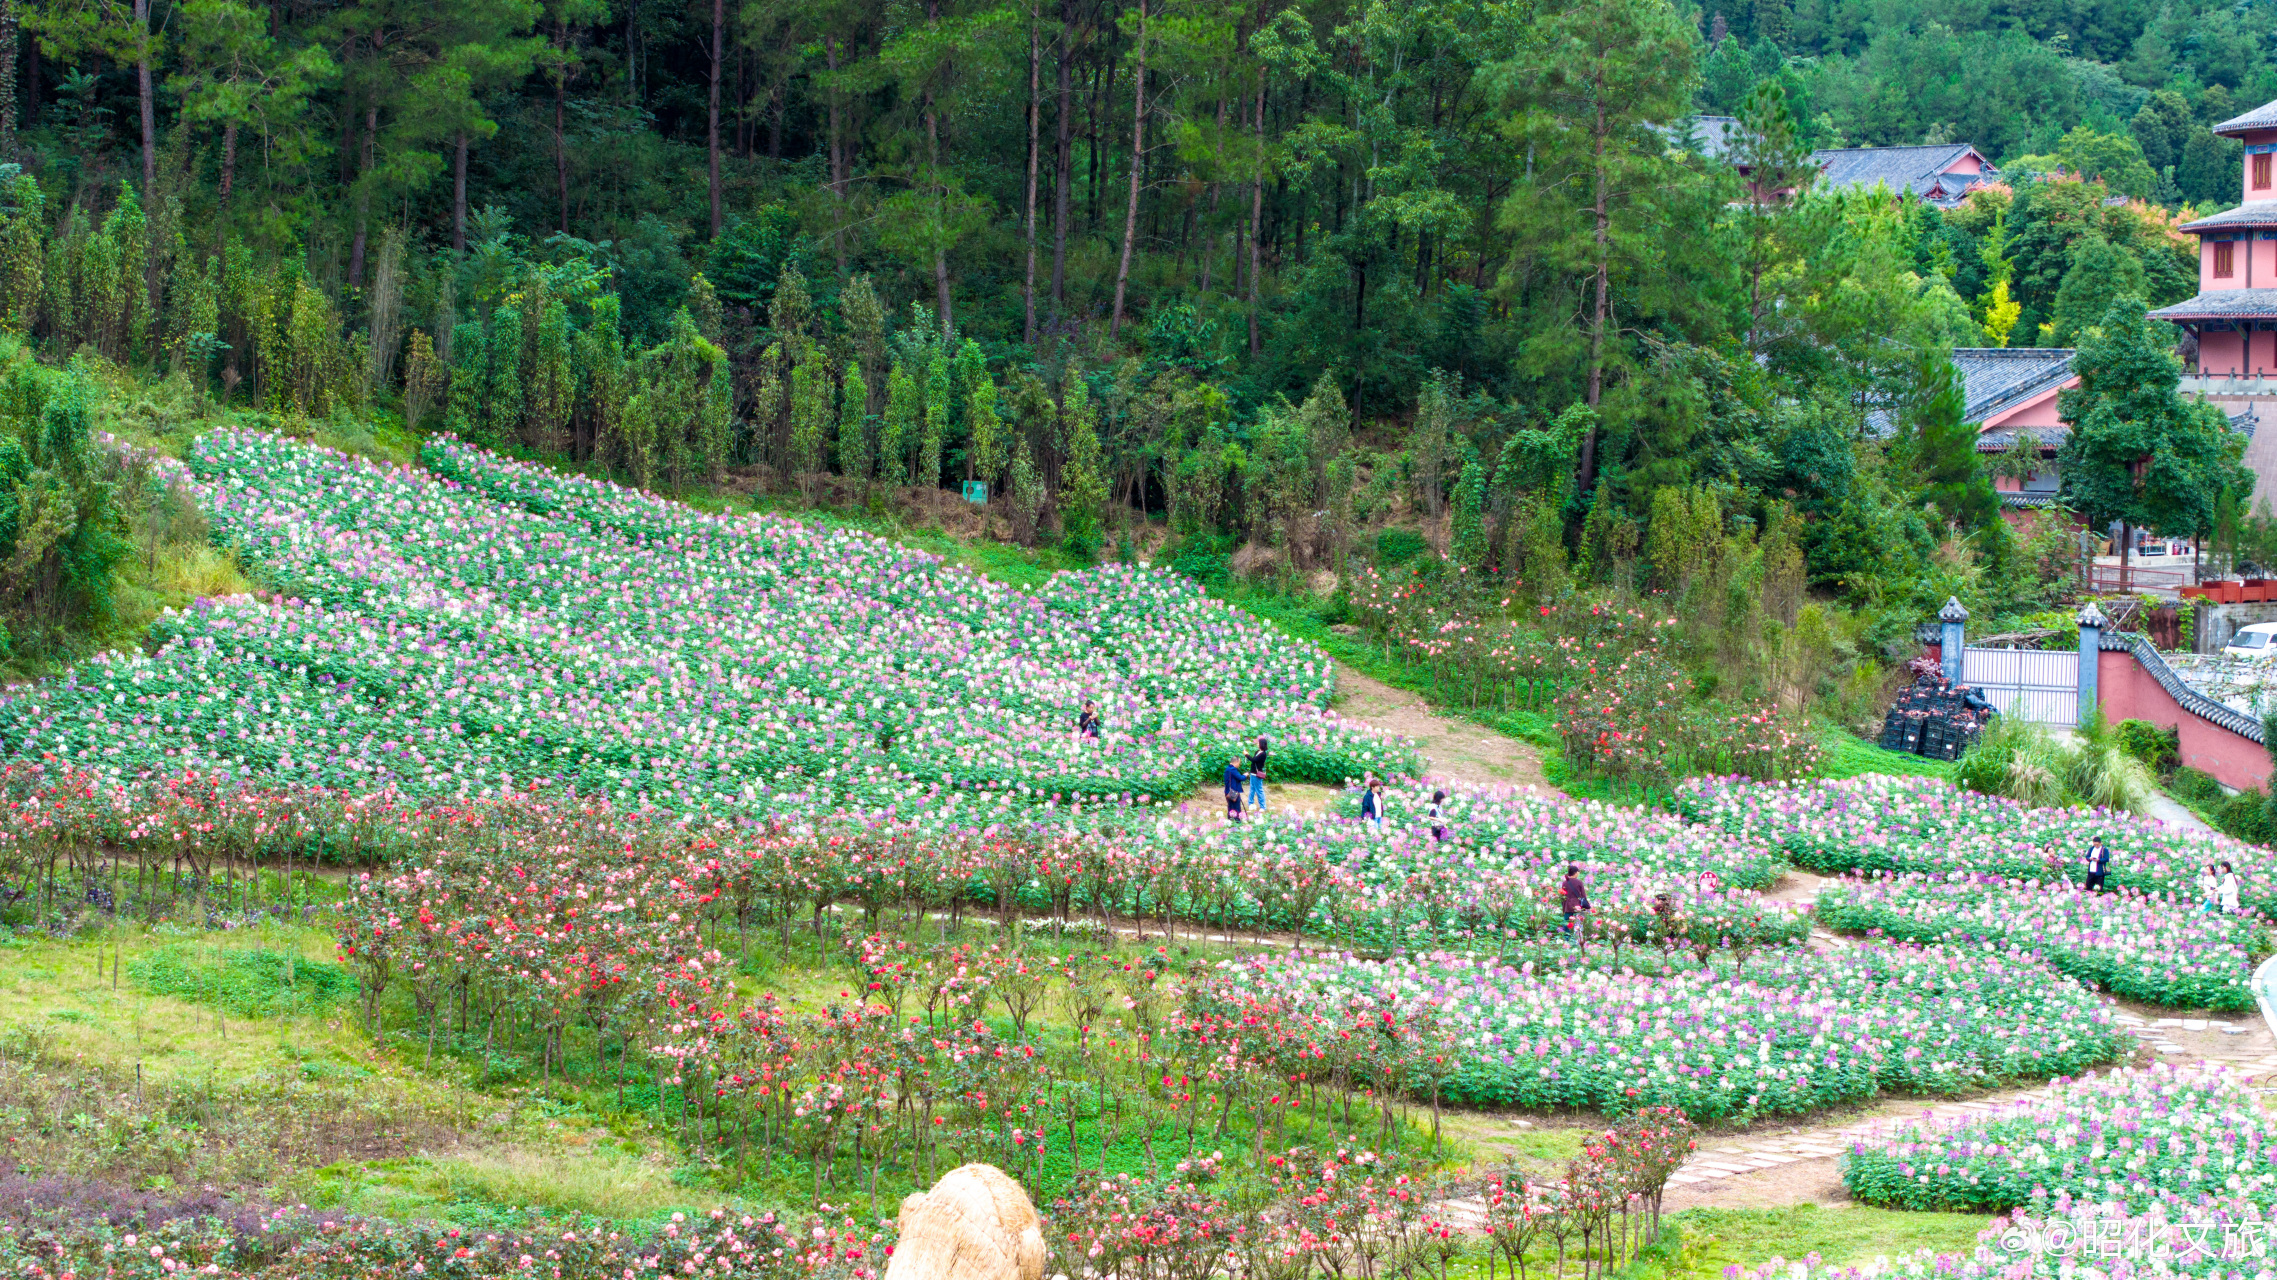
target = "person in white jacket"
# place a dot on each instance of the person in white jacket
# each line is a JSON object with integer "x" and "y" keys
{"x": 2209, "y": 890}
{"x": 2229, "y": 889}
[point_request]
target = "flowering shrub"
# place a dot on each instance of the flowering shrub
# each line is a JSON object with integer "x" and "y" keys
{"x": 1620, "y": 1174}
{"x": 2145, "y": 947}
{"x": 299, "y": 1245}
{"x": 2129, "y": 1135}
{"x": 1879, "y": 823}
{"x": 1787, "y": 1032}
{"x": 1627, "y": 718}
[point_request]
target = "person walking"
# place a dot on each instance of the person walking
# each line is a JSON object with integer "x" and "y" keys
{"x": 2098, "y": 864}
{"x": 2209, "y": 890}
{"x": 1257, "y": 775}
{"x": 2230, "y": 889}
{"x": 1371, "y": 804}
{"x": 1573, "y": 899}
{"x": 1233, "y": 786}
{"x": 1087, "y": 723}
{"x": 1438, "y": 815}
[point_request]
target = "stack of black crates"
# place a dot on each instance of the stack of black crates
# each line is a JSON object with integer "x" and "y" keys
{"x": 1937, "y": 718}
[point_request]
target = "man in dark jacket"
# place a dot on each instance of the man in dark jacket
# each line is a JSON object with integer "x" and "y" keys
{"x": 2098, "y": 865}
{"x": 1233, "y": 785}
{"x": 1257, "y": 776}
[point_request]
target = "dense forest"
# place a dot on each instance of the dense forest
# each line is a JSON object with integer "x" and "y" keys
{"x": 1267, "y": 274}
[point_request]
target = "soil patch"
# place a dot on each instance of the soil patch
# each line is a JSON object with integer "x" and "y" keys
{"x": 1454, "y": 749}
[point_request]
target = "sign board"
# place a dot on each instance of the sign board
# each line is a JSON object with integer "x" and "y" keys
{"x": 976, "y": 491}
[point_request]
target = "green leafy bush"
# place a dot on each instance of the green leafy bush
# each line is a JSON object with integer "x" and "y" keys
{"x": 1395, "y": 547}
{"x": 2160, "y": 749}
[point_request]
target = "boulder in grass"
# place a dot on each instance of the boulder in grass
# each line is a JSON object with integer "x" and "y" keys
{"x": 975, "y": 1224}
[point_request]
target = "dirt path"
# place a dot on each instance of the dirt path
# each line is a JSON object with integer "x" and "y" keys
{"x": 1775, "y": 1164}
{"x": 1455, "y": 749}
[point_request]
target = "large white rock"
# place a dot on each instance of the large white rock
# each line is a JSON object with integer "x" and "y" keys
{"x": 975, "y": 1224}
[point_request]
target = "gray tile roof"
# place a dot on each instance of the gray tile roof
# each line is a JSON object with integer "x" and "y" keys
{"x": 1998, "y": 378}
{"x": 2031, "y": 501}
{"x": 2245, "y": 422}
{"x": 2224, "y": 304}
{"x": 2260, "y": 213}
{"x": 1717, "y": 135}
{"x": 1908, "y": 169}
{"x": 2001, "y": 439}
{"x": 2261, "y": 117}
{"x": 1993, "y": 379}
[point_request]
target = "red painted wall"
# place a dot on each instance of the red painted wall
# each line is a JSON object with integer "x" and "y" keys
{"x": 2129, "y": 693}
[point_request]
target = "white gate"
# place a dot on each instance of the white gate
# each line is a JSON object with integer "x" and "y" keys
{"x": 2031, "y": 684}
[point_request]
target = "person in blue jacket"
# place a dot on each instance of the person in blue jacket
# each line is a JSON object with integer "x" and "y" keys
{"x": 1233, "y": 787}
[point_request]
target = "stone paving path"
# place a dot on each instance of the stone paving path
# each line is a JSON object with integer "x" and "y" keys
{"x": 1725, "y": 1164}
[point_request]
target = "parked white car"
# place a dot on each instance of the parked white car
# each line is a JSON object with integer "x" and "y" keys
{"x": 2256, "y": 641}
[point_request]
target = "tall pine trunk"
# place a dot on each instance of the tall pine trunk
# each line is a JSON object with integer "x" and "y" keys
{"x": 458, "y": 197}
{"x": 837, "y": 158}
{"x": 1035, "y": 135}
{"x": 8, "y": 27}
{"x": 1063, "y": 163}
{"x": 149, "y": 148}
{"x": 363, "y": 198}
{"x": 560, "y": 146}
{"x": 1257, "y": 214}
{"x": 1603, "y": 307}
{"x": 711, "y": 136}
{"x": 1138, "y": 166}
{"x": 940, "y": 214}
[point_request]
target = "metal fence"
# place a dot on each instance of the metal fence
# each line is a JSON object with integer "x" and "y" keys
{"x": 2138, "y": 577}
{"x": 2031, "y": 684}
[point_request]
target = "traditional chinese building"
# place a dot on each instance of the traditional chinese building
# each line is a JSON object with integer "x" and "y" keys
{"x": 2231, "y": 357}
{"x": 1942, "y": 174}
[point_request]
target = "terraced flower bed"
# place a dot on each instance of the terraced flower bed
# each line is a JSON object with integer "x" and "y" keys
{"x": 1785, "y": 1032}
{"x": 447, "y": 643}
{"x": 2135, "y": 1136}
{"x": 1881, "y": 823}
{"x": 2145, "y": 947}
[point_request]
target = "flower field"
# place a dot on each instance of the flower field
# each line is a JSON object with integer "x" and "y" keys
{"x": 1882, "y": 823}
{"x": 1494, "y": 878}
{"x": 2130, "y": 1135}
{"x": 446, "y": 643}
{"x": 1786, "y": 1032}
{"x": 2144, "y": 947}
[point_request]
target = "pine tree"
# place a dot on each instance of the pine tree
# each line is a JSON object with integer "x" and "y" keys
{"x": 196, "y": 313}
{"x": 1028, "y": 498}
{"x": 423, "y": 378}
{"x": 854, "y": 425}
{"x": 1469, "y": 538}
{"x": 715, "y": 423}
{"x": 900, "y": 430}
{"x": 1082, "y": 479}
{"x": 791, "y": 313}
{"x": 23, "y": 260}
{"x": 469, "y": 416}
{"x": 936, "y": 432}
{"x": 704, "y": 308}
{"x": 986, "y": 430}
{"x": 601, "y": 357}
{"x": 866, "y": 333}
{"x": 810, "y": 419}
{"x": 127, "y": 228}
{"x": 502, "y": 404}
